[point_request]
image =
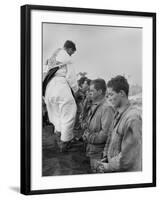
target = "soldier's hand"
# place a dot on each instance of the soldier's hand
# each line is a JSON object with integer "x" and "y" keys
{"x": 102, "y": 167}
{"x": 85, "y": 135}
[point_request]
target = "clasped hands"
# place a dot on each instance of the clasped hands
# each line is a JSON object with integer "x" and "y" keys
{"x": 102, "y": 166}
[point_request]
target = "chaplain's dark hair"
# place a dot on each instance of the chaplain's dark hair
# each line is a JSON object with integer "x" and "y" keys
{"x": 82, "y": 80}
{"x": 69, "y": 44}
{"x": 99, "y": 84}
{"x": 119, "y": 83}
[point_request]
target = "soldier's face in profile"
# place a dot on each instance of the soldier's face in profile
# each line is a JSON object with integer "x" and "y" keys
{"x": 85, "y": 86}
{"x": 114, "y": 97}
{"x": 94, "y": 94}
{"x": 70, "y": 51}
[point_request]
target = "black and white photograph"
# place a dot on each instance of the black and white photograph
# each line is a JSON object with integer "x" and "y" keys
{"x": 88, "y": 99}
{"x": 92, "y": 99}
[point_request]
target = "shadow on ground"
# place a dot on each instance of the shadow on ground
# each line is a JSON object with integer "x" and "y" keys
{"x": 15, "y": 189}
{"x": 56, "y": 163}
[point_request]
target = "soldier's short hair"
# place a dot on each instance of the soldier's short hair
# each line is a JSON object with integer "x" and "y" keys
{"x": 99, "y": 84}
{"x": 119, "y": 83}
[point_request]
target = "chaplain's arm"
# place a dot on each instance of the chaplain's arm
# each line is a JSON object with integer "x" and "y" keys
{"x": 72, "y": 78}
{"x": 63, "y": 57}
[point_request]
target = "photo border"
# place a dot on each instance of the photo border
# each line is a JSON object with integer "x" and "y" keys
{"x": 26, "y": 97}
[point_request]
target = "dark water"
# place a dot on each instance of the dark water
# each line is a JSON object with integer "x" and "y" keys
{"x": 55, "y": 162}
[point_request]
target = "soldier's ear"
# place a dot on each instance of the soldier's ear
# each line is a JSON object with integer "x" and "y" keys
{"x": 100, "y": 91}
{"x": 122, "y": 93}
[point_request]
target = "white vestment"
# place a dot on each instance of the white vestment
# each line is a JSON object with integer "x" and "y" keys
{"x": 59, "y": 100}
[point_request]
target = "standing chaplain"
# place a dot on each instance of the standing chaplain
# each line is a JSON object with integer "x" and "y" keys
{"x": 59, "y": 93}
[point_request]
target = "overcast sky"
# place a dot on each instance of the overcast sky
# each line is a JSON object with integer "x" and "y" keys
{"x": 102, "y": 51}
